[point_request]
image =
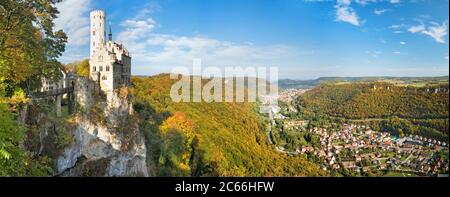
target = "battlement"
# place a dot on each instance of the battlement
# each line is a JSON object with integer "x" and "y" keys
{"x": 97, "y": 13}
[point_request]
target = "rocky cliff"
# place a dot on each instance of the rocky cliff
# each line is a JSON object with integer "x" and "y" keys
{"x": 107, "y": 137}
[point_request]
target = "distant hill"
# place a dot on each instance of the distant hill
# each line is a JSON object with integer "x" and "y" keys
{"x": 425, "y": 106}
{"x": 307, "y": 84}
{"x": 207, "y": 139}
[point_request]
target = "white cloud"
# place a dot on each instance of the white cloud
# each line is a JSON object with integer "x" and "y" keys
{"x": 374, "y": 53}
{"x": 398, "y": 26}
{"x": 135, "y": 29}
{"x": 345, "y": 13}
{"x": 148, "y": 8}
{"x": 435, "y": 30}
{"x": 395, "y": 1}
{"x": 380, "y": 11}
{"x": 74, "y": 21}
{"x": 396, "y": 52}
{"x": 365, "y": 2}
{"x": 344, "y": 2}
{"x": 154, "y": 52}
{"x": 417, "y": 28}
{"x": 170, "y": 50}
{"x": 402, "y": 43}
{"x": 314, "y": 1}
{"x": 401, "y": 28}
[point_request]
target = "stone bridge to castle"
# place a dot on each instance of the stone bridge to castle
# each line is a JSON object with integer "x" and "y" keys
{"x": 58, "y": 94}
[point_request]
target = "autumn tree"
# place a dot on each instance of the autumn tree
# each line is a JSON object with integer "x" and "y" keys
{"x": 83, "y": 68}
{"x": 177, "y": 134}
{"x": 29, "y": 46}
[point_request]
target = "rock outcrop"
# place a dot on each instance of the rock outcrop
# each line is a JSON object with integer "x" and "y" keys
{"x": 107, "y": 137}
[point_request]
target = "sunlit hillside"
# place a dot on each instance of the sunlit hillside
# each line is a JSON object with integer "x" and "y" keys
{"x": 208, "y": 139}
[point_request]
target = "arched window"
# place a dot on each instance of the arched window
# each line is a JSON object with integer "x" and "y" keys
{"x": 107, "y": 68}
{"x": 101, "y": 68}
{"x": 104, "y": 77}
{"x": 95, "y": 69}
{"x": 100, "y": 58}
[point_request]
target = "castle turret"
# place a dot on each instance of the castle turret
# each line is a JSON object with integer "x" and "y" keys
{"x": 110, "y": 33}
{"x": 98, "y": 30}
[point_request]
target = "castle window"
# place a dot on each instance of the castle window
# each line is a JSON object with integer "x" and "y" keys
{"x": 107, "y": 68}
{"x": 100, "y": 58}
{"x": 95, "y": 69}
{"x": 104, "y": 77}
{"x": 101, "y": 68}
{"x": 93, "y": 32}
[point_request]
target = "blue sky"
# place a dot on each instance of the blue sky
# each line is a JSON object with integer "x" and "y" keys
{"x": 304, "y": 38}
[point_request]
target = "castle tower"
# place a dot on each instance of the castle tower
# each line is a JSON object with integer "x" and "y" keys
{"x": 110, "y": 62}
{"x": 98, "y": 30}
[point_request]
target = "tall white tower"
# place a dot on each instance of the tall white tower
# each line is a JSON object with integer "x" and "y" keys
{"x": 98, "y": 30}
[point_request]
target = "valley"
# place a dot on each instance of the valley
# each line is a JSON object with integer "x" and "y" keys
{"x": 352, "y": 129}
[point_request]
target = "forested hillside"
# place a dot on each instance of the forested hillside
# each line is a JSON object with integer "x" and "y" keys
{"x": 376, "y": 101}
{"x": 425, "y": 106}
{"x": 306, "y": 84}
{"x": 207, "y": 139}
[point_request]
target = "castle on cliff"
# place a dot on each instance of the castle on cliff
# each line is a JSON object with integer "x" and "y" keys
{"x": 110, "y": 62}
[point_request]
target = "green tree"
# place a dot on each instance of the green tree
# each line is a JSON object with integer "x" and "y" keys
{"x": 83, "y": 68}
{"x": 14, "y": 160}
{"x": 29, "y": 47}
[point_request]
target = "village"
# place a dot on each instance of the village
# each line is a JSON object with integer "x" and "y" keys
{"x": 354, "y": 149}
{"x": 360, "y": 150}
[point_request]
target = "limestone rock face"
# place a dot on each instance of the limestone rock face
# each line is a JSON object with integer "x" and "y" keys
{"x": 108, "y": 145}
{"x": 83, "y": 91}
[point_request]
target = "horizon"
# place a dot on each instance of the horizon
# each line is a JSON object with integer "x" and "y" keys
{"x": 437, "y": 76}
{"x": 338, "y": 38}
